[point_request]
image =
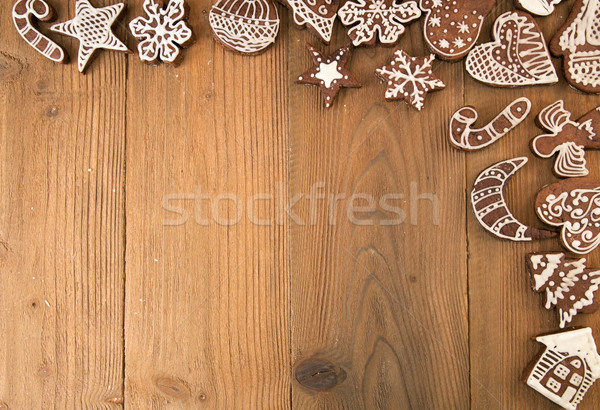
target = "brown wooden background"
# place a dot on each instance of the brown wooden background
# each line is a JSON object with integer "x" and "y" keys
{"x": 103, "y": 305}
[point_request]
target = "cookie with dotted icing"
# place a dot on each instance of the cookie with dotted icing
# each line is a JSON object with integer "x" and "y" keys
{"x": 370, "y": 20}
{"x": 517, "y": 56}
{"x": 329, "y": 73}
{"x": 578, "y": 43}
{"x": 574, "y": 206}
{"x": 568, "y": 284}
{"x": 452, "y": 27}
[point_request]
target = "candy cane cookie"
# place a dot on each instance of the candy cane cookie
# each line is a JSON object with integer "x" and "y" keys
{"x": 465, "y": 138}
{"x": 23, "y": 13}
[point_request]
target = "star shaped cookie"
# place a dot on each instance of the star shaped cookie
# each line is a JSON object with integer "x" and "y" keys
{"x": 409, "y": 78}
{"x": 92, "y": 27}
{"x": 329, "y": 73}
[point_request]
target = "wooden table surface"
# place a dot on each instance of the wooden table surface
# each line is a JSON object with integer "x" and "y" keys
{"x": 179, "y": 237}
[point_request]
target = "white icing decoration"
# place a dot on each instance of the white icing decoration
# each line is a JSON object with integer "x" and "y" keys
{"x": 369, "y": 17}
{"x": 539, "y": 7}
{"x": 460, "y": 124}
{"x": 304, "y": 15}
{"x": 162, "y": 32}
{"x": 92, "y": 27}
{"x": 328, "y": 73}
{"x": 528, "y": 61}
{"x": 245, "y": 26}
{"x": 40, "y": 42}
{"x": 566, "y": 346}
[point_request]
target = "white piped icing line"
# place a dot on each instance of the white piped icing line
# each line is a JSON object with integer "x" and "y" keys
{"x": 539, "y": 7}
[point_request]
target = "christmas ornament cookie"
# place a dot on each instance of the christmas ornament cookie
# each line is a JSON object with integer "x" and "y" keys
{"x": 565, "y": 368}
{"x": 538, "y": 7}
{"x": 329, "y": 73}
{"x": 317, "y": 16}
{"x": 518, "y": 55}
{"x": 23, "y": 13}
{"x": 569, "y": 285}
{"x": 568, "y": 139}
{"x": 92, "y": 27}
{"x": 491, "y": 209}
{"x": 244, "y": 26}
{"x": 463, "y": 137}
{"x": 452, "y": 27}
{"x": 578, "y": 42}
{"x": 367, "y": 18}
{"x": 409, "y": 78}
{"x": 574, "y": 206}
{"x": 163, "y": 32}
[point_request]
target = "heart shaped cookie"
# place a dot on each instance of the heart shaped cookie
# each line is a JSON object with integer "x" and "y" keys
{"x": 518, "y": 55}
{"x": 452, "y": 27}
{"x": 573, "y": 205}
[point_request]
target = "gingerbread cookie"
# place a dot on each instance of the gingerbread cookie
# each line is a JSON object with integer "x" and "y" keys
{"x": 23, "y": 13}
{"x": 409, "y": 78}
{"x": 491, "y": 209}
{"x": 92, "y": 27}
{"x": 317, "y": 16}
{"x": 578, "y": 42}
{"x": 565, "y": 368}
{"x": 567, "y": 139}
{"x": 538, "y": 7}
{"x": 465, "y": 138}
{"x": 518, "y": 55}
{"x": 568, "y": 284}
{"x": 369, "y": 17}
{"x": 452, "y": 27}
{"x": 329, "y": 73}
{"x": 163, "y": 33}
{"x": 574, "y": 206}
{"x": 244, "y": 26}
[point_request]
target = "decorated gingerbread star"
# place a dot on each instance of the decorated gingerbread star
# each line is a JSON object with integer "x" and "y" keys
{"x": 409, "y": 78}
{"x": 329, "y": 73}
{"x": 92, "y": 27}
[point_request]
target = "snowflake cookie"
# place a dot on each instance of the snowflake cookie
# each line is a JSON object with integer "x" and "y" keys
{"x": 92, "y": 27}
{"x": 369, "y": 17}
{"x": 329, "y": 73}
{"x": 246, "y": 27}
{"x": 452, "y": 27}
{"x": 409, "y": 78}
{"x": 163, "y": 32}
{"x": 23, "y": 13}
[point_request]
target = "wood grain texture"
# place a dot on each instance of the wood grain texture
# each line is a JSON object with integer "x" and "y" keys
{"x": 207, "y": 306}
{"x": 384, "y": 302}
{"x": 62, "y": 226}
{"x": 505, "y": 314}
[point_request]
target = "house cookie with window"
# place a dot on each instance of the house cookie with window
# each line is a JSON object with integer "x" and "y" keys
{"x": 566, "y": 367}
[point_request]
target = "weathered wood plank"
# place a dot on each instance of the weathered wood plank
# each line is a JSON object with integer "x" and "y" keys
{"x": 207, "y": 320}
{"x": 62, "y": 226}
{"x": 504, "y": 312}
{"x": 384, "y": 304}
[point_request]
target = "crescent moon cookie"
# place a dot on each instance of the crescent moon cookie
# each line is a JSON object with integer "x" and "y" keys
{"x": 367, "y": 18}
{"x": 578, "y": 42}
{"x": 452, "y": 27}
{"x": 491, "y": 209}
{"x": 23, "y": 13}
{"x": 574, "y": 206}
{"x": 246, "y": 27}
{"x": 329, "y": 73}
{"x": 92, "y": 27}
{"x": 518, "y": 56}
{"x": 568, "y": 284}
{"x": 538, "y": 7}
{"x": 567, "y": 139}
{"x": 317, "y": 16}
{"x": 409, "y": 79}
{"x": 465, "y": 138}
{"x": 163, "y": 33}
